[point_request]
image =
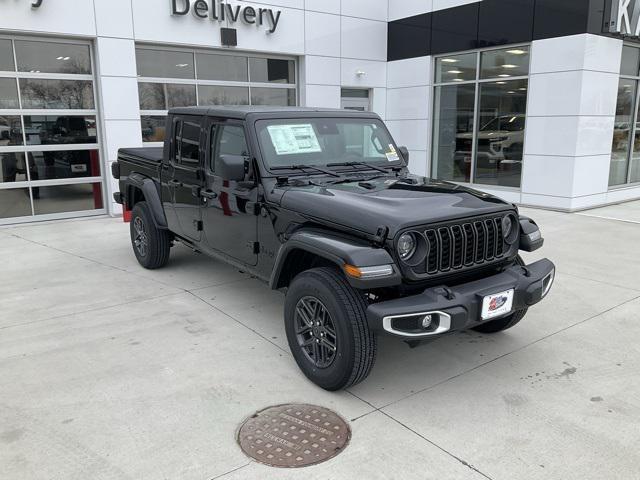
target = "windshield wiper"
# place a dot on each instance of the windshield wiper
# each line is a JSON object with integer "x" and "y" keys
{"x": 307, "y": 167}
{"x": 358, "y": 164}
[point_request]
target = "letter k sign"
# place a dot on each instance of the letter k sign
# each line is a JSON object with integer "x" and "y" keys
{"x": 628, "y": 21}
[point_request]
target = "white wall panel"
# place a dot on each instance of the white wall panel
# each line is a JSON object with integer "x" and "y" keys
{"x": 323, "y": 96}
{"x": 577, "y": 92}
{"x": 418, "y": 162}
{"x": 114, "y": 18}
{"x": 536, "y": 178}
{"x": 364, "y": 39}
{"x": 408, "y": 8}
{"x": 413, "y": 134}
{"x": 121, "y": 134}
{"x": 372, "y": 9}
{"x": 375, "y": 73}
{"x": 322, "y": 70}
{"x": 442, "y": 4}
{"x": 410, "y": 72}
{"x": 408, "y": 103}
{"x": 569, "y": 136}
{"x": 70, "y": 17}
{"x": 116, "y": 57}
{"x": 322, "y": 34}
{"x": 327, "y": 6}
{"x": 120, "y": 98}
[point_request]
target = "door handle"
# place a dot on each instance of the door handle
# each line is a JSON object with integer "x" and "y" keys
{"x": 175, "y": 183}
{"x": 209, "y": 194}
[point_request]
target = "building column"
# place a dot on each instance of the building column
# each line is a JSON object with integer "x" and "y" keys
{"x": 570, "y": 119}
{"x": 117, "y": 84}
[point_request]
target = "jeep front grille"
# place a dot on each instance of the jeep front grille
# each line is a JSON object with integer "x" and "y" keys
{"x": 463, "y": 245}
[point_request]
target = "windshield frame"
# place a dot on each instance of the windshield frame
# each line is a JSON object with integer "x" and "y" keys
{"x": 282, "y": 170}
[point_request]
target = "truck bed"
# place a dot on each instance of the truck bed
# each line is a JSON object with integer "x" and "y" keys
{"x": 145, "y": 154}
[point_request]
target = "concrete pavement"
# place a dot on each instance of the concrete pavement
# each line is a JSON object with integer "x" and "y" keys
{"x": 109, "y": 371}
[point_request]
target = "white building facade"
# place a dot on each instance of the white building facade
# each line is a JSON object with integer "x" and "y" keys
{"x": 535, "y": 101}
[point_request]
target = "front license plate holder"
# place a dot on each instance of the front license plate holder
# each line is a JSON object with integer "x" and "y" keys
{"x": 497, "y": 304}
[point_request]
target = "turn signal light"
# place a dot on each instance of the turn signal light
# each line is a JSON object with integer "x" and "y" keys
{"x": 368, "y": 272}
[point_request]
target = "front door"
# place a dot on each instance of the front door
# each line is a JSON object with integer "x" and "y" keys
{"x": 230, "y": 223}
{"x": 187, "y": 179}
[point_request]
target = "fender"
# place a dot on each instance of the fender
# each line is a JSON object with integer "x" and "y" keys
{"x": 339, "y": 251}
{"x": 151, "y": 196}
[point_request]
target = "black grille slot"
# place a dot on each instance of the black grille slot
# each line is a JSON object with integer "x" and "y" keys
{"x": 464, "y": 245}
{"x": 458, "y": 246}
{"x": 445, "y": 254}
{"x": 470, "y": 244}
{"x": 434, "y": 251}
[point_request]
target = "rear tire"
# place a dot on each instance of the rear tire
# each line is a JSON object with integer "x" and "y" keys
{"x": 151, "y": 245}
{"x": 507, "y": 322}
{"x": 327, "y": 329}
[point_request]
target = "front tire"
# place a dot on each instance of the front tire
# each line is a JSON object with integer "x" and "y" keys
{"x": 507, "y": 322}
{"x": 151, "y": 245}
{"x": 327, "y": 329}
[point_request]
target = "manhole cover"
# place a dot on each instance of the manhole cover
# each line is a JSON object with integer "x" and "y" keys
{"x": 293, "y": 435}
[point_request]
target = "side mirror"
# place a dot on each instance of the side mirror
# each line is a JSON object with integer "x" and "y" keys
{"x": 232, "y": 167}
{"x": 404, "y": 151}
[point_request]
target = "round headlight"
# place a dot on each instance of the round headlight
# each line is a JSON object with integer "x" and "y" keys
{"x": 509, "y": 228}
{"x": 406, "y": 246}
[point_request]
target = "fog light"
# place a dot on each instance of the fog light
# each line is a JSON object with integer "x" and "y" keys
{"x": 427, "y": 320}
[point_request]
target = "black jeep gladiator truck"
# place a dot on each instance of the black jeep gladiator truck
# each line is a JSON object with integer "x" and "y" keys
{"x": 320, "y": 204}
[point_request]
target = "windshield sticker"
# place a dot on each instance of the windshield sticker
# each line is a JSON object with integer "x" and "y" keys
{"x": 392, "y": 155}
{"x": 293, "y": 139}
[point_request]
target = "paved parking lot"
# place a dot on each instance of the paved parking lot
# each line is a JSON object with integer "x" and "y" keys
{"x": 108, "y": 371}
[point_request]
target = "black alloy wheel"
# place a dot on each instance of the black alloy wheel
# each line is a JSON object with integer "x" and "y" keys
{"x": 315, "y": 331}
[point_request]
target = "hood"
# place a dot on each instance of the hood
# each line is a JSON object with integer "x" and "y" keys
{"x": 392, "y": 202}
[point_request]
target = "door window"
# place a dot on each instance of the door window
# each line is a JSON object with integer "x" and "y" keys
{"x": 187, "y": 143}
{"x": 230, "y": 140}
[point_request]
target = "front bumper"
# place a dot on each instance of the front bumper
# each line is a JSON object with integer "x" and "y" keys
{"x": 459, "y": 308}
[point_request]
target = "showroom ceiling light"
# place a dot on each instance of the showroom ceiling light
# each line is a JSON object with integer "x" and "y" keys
{"x": 504, "y": 75}
{"x": 455, "y": 71}
{"x": 501, "y": 83}
{"x": 449, "y": 60}
{"x": 63, "y": 58}
{"x": 182, "y": 65}
{"x": 508, "y": 65}
{"x": 517, "y": 51}
{"x": 458, "y": 80}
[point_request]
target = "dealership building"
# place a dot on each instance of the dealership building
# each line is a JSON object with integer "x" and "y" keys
{"x": 535, "y": 101}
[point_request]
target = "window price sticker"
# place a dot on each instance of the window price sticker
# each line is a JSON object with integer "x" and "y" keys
{"x": 294, "y": 139}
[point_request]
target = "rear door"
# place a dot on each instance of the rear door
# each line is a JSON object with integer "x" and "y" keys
{"x": 229, "y": 219}
{"x": 187, "y": 177}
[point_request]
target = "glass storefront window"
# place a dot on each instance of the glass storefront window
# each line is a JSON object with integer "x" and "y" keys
{"x": 510, "y": 62}
{"x": 8, "y": 93}
{"x": 456, "y": 68}
{"x": 59, "y": 129}
{"x": 15, "y": 202}
{"x": 163, "y": 96}
{"x": 153, "y": 128}
{"x": 453, "y": 132}
{"x": 218, "y": 79}
{"x": 222, "y": 67}
{"x": 57, "y": 169}
{"x": 625, "y": 150}
{"x": 164, "y": 63}
{"x": 630, "y": 65}
{"x": 13, "y": 167}
{"x": 215, "y": 95}
{"x": 271, "y": 70}
{"x": 273, "y": 96}
{"x": 500, "y": 137}
{"x": 56, "y": 94}
{"x": 10, "y": 130}
{"x": 63, "y": 164}
{"x": 67, "y": 198}
{"x": 6, "y": 56}
{"x": 480, "y": 117}
{"x": 50, "y": 57}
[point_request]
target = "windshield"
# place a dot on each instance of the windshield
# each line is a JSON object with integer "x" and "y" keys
{"x": 324, "y": 141}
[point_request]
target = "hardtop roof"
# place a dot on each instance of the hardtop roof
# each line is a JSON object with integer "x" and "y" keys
{"x": 268, "y": 111}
